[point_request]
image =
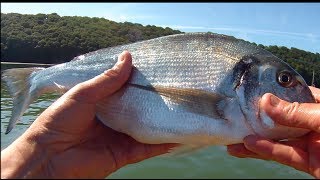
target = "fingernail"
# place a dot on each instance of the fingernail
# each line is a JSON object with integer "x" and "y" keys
{"x": 122, "y": 54}
{"x": 274, "y": 101}
{"x": 120, "y": 60}
{"x": 119, "y": 63}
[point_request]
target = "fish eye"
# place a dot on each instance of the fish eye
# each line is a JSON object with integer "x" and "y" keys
{"x": 286, "y": 79}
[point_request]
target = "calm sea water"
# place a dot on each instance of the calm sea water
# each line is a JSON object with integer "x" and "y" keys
{"x": 212, "y": 162}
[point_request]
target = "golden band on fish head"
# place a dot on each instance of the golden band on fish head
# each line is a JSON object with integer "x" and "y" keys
{"x": 256, "y": 74}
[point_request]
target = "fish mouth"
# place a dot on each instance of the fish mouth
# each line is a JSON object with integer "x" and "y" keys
{"x": 300, "y": 80}
{"x": 306, "y": 90}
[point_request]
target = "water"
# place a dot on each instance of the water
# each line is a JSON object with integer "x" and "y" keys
{"x": 212, "y": 162}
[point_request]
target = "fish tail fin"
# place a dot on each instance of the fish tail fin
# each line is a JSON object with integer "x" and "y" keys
{"x": 19, "y": 82}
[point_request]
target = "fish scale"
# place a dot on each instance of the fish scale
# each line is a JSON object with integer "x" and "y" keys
{"x": 196, "y": 89}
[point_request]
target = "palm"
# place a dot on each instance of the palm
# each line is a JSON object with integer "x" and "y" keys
{"x": 86, "y": 143}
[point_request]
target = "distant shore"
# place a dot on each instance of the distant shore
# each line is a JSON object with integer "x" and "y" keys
{"x": 27, "y": 63}
{"x": 9, "y": 65}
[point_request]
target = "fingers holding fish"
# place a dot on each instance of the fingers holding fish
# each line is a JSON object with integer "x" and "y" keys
{"x": 240, "y": 151}
{"x": 316, "y": 93}
{"x": 108, "y": 82}
{"x": 269, "y": 150}
{"x": 301, "y": 153}
{"x": 261, "y": 148}
{"x": 301, "y": 115}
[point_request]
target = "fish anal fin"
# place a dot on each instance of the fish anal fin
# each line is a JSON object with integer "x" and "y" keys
{"x": 184, "y": 150}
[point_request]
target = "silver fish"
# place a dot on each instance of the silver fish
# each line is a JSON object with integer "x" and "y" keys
{"x": 196, "y": 89}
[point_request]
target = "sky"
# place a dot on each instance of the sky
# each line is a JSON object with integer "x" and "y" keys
{"x": 282, "y": 24}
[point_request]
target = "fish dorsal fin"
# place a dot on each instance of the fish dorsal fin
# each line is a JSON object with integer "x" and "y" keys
{"x": 80, "y": 57}
{"x": 194, "y": 100}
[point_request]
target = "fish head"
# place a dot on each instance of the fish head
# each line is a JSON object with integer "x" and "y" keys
{"x": 259, "y": 74}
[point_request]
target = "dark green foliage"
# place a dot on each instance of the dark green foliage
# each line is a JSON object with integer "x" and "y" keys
{"x": 49, "y": 38}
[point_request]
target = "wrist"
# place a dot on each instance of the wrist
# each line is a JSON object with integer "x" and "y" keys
{"x": 22, "y": 159}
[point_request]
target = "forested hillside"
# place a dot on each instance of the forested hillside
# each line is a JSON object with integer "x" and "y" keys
{"x": 50, "y": 38}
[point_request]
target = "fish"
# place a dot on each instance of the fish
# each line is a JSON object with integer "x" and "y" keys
{"x": 195, "y": 89}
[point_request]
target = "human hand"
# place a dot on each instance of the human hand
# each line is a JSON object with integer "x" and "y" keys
{"x": 301, "y": 153}
{"x": 66, "y": 141}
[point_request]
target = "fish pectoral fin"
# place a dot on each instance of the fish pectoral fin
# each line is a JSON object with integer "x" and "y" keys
{"x": 194, "y": 100}
{"x": 60, "y": 89}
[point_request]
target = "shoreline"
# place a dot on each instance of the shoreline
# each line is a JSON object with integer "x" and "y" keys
{"x": 9, "y": 65}
{"x": 18, "y": 63}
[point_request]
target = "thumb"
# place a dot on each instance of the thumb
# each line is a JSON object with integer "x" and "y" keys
{"x": 106, "y": 83}
{"x": 300, "y": 115}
